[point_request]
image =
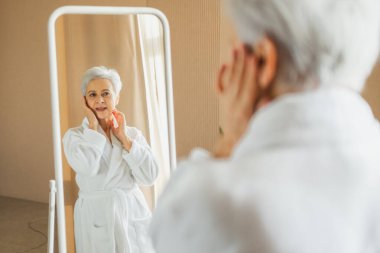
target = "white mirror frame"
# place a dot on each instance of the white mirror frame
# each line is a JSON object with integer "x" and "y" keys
{"x": 99, "y": 10}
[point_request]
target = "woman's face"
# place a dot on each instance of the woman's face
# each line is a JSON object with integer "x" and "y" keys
{"x": 101, "y": 97}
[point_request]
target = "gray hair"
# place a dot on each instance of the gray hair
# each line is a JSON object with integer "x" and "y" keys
{"x": 328, "y": 42}
{"x": 101, "y": 72}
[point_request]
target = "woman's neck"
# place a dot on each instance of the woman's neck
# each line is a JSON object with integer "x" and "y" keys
{"x": 104, "y": 125}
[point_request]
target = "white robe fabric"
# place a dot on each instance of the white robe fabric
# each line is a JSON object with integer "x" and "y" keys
{"x": 305, "y": 178}
{"x": 111, "y": 214}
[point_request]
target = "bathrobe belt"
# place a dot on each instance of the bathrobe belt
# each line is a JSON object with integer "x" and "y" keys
{"x": 96, "y": 194}
{"x": 103, "y": 193}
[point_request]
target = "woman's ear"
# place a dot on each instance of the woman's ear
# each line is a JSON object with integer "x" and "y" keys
{"x": 266, "y": 52}
{"x": 117, "y": 100}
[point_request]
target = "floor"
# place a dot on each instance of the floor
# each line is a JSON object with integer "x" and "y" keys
{"x": 23, "y": 226}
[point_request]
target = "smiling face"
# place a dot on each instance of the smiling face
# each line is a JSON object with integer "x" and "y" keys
{"x": 101, "y": 98}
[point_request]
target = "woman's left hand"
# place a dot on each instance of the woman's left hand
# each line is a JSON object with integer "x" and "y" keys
{"x": 237, "y": 89}
{"x": 120, "y": 132}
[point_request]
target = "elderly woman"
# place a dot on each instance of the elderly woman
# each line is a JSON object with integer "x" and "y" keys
{"x": 110, "y": 159}
{"x": 298, "y": 167}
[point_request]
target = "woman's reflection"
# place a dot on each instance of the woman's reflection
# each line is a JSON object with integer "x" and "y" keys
{"x": 110, "y": 159}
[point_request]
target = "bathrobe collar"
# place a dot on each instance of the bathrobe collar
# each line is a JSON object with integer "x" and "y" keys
{"x": 114, "y": 140}
{"x": 323, "y": 116}
{"x": 115, "y": 158}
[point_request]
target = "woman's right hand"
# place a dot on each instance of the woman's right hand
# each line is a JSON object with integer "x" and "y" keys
{"x": 92, "y": 120}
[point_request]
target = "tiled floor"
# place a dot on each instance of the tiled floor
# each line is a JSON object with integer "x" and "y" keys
{"x": 23, "y": 226}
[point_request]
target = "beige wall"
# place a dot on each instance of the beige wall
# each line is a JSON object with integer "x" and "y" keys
{"x": 194, "y": 27}
{"x": 26, "y": 157}
{"x": 372, "y": 91}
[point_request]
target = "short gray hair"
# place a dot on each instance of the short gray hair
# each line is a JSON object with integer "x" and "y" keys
{"x": 330, "y": 42}
{"x": 101, "y": 72}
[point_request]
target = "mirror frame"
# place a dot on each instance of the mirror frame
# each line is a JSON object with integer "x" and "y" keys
{"x": 99, "y": 10}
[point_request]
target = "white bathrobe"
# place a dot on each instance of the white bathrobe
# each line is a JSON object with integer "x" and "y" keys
{"x": 305, "y": 178}
{"x": 111, "y": 214}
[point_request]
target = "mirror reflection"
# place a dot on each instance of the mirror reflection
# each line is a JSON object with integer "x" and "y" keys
{"x": 113, "y": 121}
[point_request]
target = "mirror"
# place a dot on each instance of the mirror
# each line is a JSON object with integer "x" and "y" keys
{"x": 136, "y": 43}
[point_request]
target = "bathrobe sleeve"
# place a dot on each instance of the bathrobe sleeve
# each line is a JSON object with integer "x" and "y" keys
{"x": 190, "y": 211}
{"x": 140, "y": 159}
{"x": 83, "y": 149}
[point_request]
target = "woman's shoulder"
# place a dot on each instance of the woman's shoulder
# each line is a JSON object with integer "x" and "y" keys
{"x": 133, "y": 132}
{"x": 74, "y": 131}
{"x": 78, "y": 129}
